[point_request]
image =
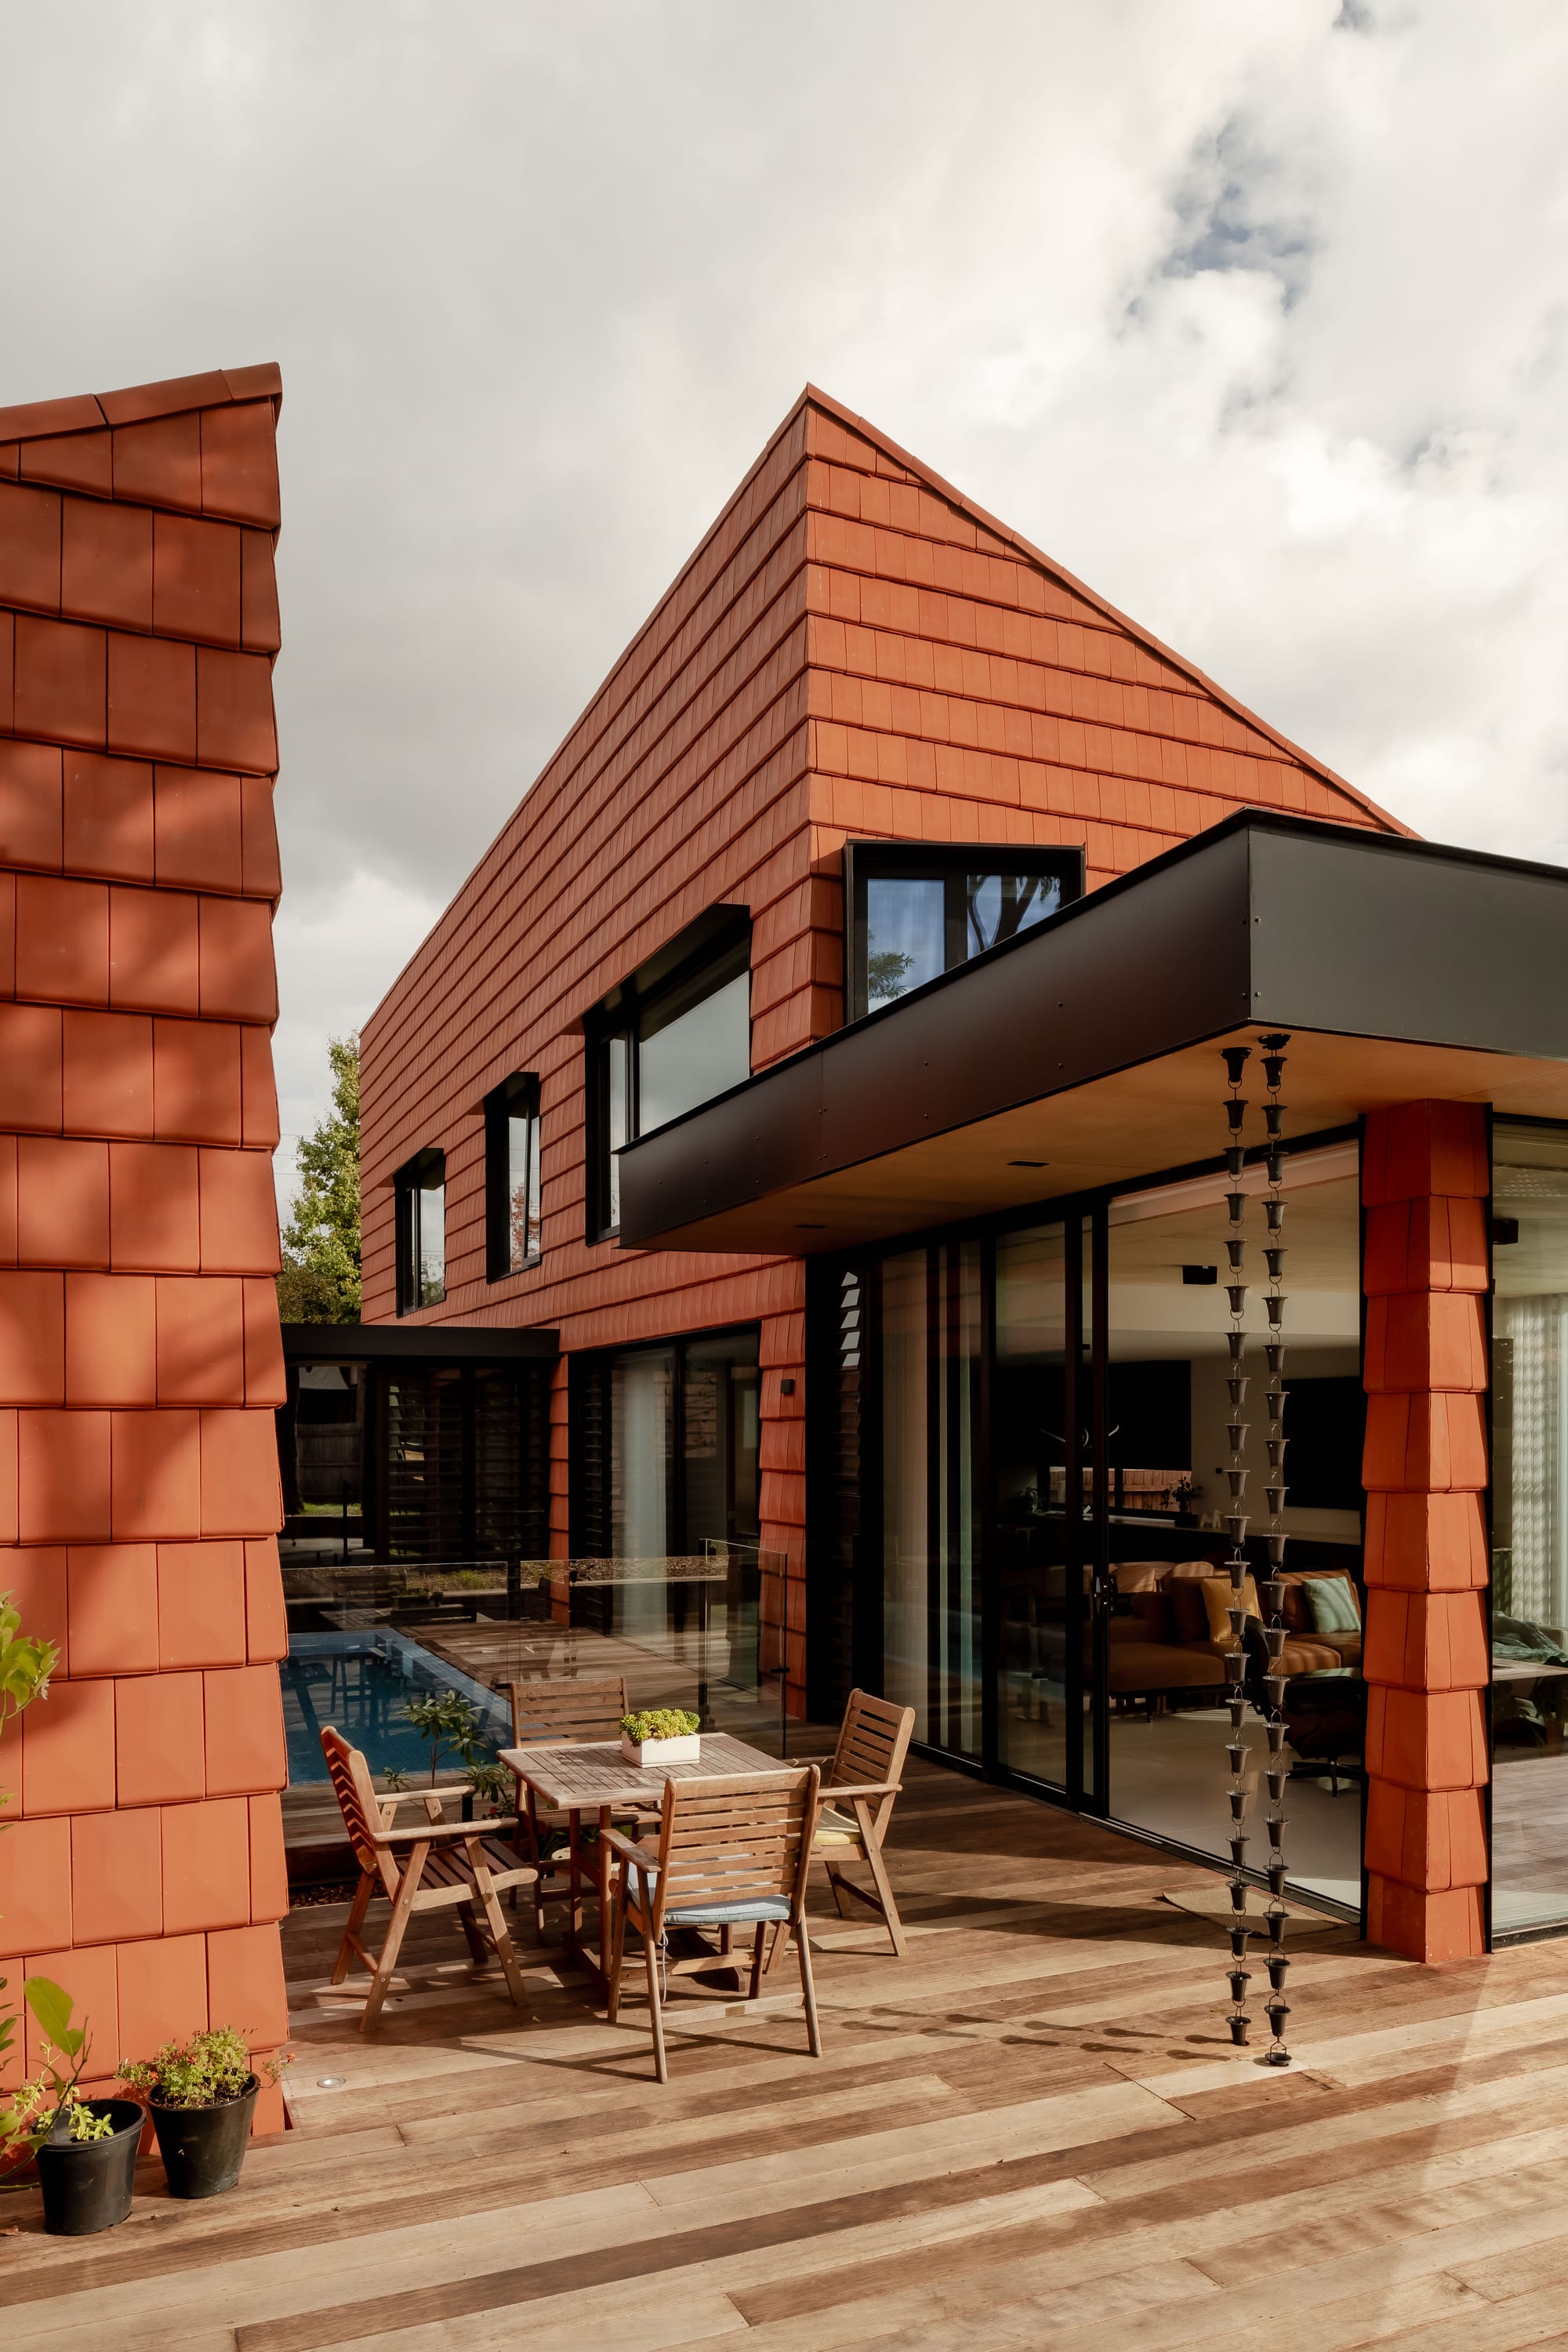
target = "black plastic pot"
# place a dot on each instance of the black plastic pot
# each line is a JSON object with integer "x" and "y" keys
{"x": 204, "y": 2148}
{"x": 86, "y": 2182}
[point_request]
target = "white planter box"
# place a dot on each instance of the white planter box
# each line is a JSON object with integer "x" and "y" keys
{"x": 649, "y": 1754}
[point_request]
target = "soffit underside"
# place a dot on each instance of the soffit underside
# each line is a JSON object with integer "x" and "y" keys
{"x": 1157, "y": 1115}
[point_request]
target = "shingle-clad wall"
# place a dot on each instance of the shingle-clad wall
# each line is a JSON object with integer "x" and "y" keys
{"x": 854, "y": 649}
{"x": 140, "y": 1355}
{"x": 1425, "y": 1179}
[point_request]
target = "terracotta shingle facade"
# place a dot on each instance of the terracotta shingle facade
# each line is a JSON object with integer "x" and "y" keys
{"x": 854, "y": 649}
{"x": 140, "y": 1354}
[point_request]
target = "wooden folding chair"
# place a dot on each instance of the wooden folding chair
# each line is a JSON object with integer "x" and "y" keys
{"x": 858, "y": 1799}
{"x": 547, "y": 1714}
{"x": 730, "y": 1854}
{"x": 435, "y": 1865}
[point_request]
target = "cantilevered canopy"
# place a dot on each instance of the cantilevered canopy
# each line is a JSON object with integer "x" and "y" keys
{"x": 1082, "y": 1053}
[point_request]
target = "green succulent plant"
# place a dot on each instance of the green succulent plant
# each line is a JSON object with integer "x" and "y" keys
{"x": 660, "y": 1723}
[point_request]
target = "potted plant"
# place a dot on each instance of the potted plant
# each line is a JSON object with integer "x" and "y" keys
{"x": 661, "y": 1734}
{"x": 85, "y": 2149}
{"x": 200, "y": 2094}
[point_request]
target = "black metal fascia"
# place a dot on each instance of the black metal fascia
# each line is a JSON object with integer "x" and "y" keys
{"x": 1265, "y": 918}
{"x": 428, "y": 1343}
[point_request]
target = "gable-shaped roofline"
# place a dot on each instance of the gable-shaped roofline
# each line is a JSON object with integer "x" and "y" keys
{"x": 86, "y": 412}
{"x": 814, "y": 396}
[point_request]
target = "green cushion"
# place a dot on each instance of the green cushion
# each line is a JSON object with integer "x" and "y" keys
{"x": 1332, "y": 1602}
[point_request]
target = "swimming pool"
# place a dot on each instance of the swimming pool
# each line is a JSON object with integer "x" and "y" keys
{"x": 359, "y": 1682}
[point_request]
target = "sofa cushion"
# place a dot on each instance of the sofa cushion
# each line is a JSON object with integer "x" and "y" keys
{"x": 1140, "y": 1666}
{"x": 1218, "y": 1595}
{"x": 1152, "y": 1613}
{"x": 1295, "y": 1612}
{"x": 1139, "y": 1575}
{"x": 1189, "y": 1611}
{"x": 1317, "y": 1653}
{"x": 1333, "y": 1604}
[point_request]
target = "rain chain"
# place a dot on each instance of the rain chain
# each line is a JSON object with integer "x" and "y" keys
{"x": 1272, "y": 1594}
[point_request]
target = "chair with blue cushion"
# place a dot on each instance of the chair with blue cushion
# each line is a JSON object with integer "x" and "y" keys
{"x": 730, "y": 1854}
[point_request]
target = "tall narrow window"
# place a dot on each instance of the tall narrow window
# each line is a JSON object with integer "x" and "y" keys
{"x": 913, "y": 911}
{"x": 672, "y": 1036}
{"x": 421, "y": 1204}
{"x": 512, "y": 1176}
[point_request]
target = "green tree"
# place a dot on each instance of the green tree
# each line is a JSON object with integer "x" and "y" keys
{"x": 321, "y": 1278}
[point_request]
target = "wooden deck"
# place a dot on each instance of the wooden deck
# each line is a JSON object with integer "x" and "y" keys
{"x": 1031, "y": 2132}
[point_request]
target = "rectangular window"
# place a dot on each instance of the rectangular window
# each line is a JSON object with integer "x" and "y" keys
{"x": 913, "y": 912}
{"x": 673, "y": 1035}
{"x": 512, "y": 1176}
{"x": 421, "y": 1204}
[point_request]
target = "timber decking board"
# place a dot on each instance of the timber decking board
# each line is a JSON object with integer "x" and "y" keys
{"x": 1031, "y": 2131}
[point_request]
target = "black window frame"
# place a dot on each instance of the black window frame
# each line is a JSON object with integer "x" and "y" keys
{"x": 700, "y": 960}
{"x": 409, "y": 1182}
{"x": 517, "y": 1096}
{"x": 872, "y": 860}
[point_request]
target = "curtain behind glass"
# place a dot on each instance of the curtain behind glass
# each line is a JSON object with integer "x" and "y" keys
{"x": 1530, "y": 1527}
{"x": 931, "y": 1327}
{"x": 641, "y": 1387}
{"x": 1537, "y": 1575}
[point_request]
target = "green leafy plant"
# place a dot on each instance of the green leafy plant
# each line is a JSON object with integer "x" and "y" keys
{"x": 207, "y": 2071}
{"x": 320, "y": 1282}
{"x": 37, "y": 2105}
{"x": 492, "y": 1785}
{"x": 447, "y": 1721}
{"x": 660, "y": 1723}
{"x": 394, "y": 1777}
{"x": 26, "y": 1662}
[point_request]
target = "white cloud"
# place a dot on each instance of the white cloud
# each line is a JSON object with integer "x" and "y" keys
{"x": 1256, "y": 317}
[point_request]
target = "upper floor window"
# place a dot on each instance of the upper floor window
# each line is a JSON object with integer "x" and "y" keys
{"x": 420, "y": 1192}
{"x": 913, "y": 911}
{"x": 512, "y": 1176}
{"x": 673, "y": 1035}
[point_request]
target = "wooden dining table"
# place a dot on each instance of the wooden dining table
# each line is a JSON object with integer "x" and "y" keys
{"x": 590, "y": 1783}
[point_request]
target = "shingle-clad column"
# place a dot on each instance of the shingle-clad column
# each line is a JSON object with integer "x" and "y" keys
{"x": 1425, "y": 1182}
{"x": 140, "y": 1354}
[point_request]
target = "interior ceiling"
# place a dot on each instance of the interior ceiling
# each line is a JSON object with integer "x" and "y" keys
{"x": 1157, "y": 1115}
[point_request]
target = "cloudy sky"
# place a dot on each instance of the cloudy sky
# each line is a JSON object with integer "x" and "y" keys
{"x": 1254, "y": 313}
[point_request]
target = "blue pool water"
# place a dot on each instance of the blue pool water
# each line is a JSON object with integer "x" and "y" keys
{"x": 359, "y": 1682}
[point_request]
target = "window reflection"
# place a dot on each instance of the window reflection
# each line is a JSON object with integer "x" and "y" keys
{"x": 696, "y": 1055}
{"x": 431, "y": 1204}
{"x": 522, "y": 1189}
{"x": 906, "y": 923}
{"x": 617, "y": 1115}
{"x": 999, "y": 906}
{"x": 917, "y": 911}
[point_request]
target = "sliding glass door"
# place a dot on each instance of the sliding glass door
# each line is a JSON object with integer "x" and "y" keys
{"x": 1041, "y": 1544}
{"x": 1023, "y": 1483}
